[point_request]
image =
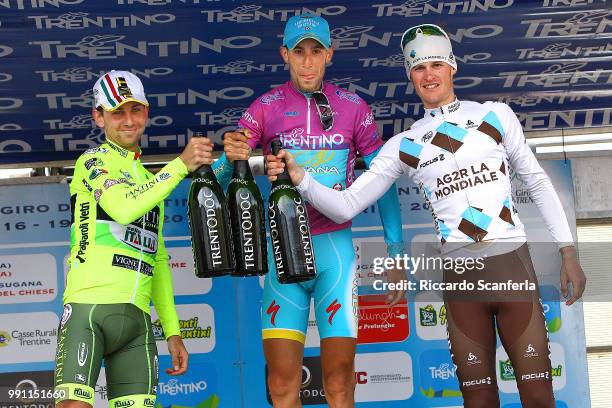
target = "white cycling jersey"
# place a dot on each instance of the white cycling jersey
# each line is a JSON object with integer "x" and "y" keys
{"x": 458, "y": 154}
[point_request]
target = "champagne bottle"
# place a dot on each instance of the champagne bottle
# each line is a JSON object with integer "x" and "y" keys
{"x": 289, "y": 230}
{"x": 248, "y": 222}
{"x": 211, "y": 233}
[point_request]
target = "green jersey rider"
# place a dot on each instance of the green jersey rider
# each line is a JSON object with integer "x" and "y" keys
{"x": 118, "y": 262}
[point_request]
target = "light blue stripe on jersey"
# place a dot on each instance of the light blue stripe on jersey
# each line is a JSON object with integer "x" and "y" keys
{"x": 507, "y": 202}
{"x": 409, "y": 147}
{"x": 453, "y": 131}
{"x": 477, "y": 218}
{"x": 444, "y": 230}
{"x": 492, "y": 119}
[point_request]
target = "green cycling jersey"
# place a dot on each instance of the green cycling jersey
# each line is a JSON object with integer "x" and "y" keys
{"x": 117, "y": 253}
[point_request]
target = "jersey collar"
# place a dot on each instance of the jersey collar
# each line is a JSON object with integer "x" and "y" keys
{"x": 443, "y": 110}
{"x": 124, "y": 153}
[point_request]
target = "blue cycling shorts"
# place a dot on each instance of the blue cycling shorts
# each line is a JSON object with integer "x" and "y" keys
{"x": 286, "y": 307}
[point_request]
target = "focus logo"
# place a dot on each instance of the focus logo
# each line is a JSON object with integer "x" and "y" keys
{"x": 438, "y": 374}
{"x": 378, "y": 323}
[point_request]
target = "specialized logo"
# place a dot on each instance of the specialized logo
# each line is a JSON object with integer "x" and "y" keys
{"x": 66, "y": 315}
{"x": 82, "y": 352}
{"x": 273, "y": 310}
{"x": 332, "y": 309}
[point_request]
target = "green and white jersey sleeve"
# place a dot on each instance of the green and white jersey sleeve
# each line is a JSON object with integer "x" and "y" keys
{"x": 117, "y": 253}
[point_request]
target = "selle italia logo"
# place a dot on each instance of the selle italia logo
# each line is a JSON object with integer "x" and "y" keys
{"x": 190, "y": 329}
{"x": 428, "y": 316}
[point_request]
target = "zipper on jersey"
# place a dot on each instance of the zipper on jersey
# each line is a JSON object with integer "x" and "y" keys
{"x": 141, "y": 234}
{"x": 307, "y": 116}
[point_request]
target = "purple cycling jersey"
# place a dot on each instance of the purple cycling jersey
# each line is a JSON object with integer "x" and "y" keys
{"x": 287, "y": 114}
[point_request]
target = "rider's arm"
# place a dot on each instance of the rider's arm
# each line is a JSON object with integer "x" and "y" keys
{"x": 162, "y": 292}
{"x": 524, "y": 162}
{"x": 223, "y": 170}
{"x": 341, "y": 206}
{"x": 123, "y": 202}
{"x": 252, "y": 120}
{"x": 390, "y": 214}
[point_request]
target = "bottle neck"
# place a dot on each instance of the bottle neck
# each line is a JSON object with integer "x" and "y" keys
{"x": 204, "y": 170}
{"x": 282, "y": 178}
{"x": 242, "y": 170}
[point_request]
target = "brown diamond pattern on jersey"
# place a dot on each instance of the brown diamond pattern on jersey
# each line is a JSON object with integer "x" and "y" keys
{"x": 446, "y": 142}
{"x": 489, "y": 130}
{"x": 409, "y": 159}
{"x": 471, "y": 230}
{"x": 503, "y": 168}
{"x": 506, "y": 215}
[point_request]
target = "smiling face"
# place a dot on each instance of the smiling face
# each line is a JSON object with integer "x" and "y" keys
{"x": 433, "y": 82}
{"x": 307, "y": 63}
{"x": 125, "y": 125}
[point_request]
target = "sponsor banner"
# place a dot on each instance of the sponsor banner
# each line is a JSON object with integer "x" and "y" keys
{"x": 438, "y": 374}
{"x": 196, "y": 388}
{"x": 379, "y": 323}
{"x": 311, "y": 389}
{"x": 197, "y": 323}
{"x": 28, "y": 278}
{"x": 28, "y": 337}
{"x": 383, "y": 376}
{"x": 34, "y": 387}
{"x": 506, "y": 377}
{"x": 551, "y": 63}
{"x": 429, "y": 317}
{"x": 185, "y": 280}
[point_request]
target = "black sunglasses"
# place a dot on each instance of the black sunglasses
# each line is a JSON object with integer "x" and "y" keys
{"x": 324, "y": 109}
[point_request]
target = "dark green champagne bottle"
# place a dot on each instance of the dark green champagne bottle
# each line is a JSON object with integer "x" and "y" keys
{"x": 289, "y": 230}
{"x": 211, "y": 234}
{"x": 248, "y": 222}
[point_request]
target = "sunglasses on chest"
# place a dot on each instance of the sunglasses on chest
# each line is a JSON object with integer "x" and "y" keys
{"x": 324, "y": 110}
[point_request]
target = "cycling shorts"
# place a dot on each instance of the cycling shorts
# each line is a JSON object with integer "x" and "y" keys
{"x": 120, "y": 334}
{"x": 286, "y": 307}
{"x": 517, "y": 313}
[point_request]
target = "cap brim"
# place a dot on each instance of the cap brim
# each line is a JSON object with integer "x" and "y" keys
{"x": 305, "y": 37}
{"x": 142, "y": 101}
